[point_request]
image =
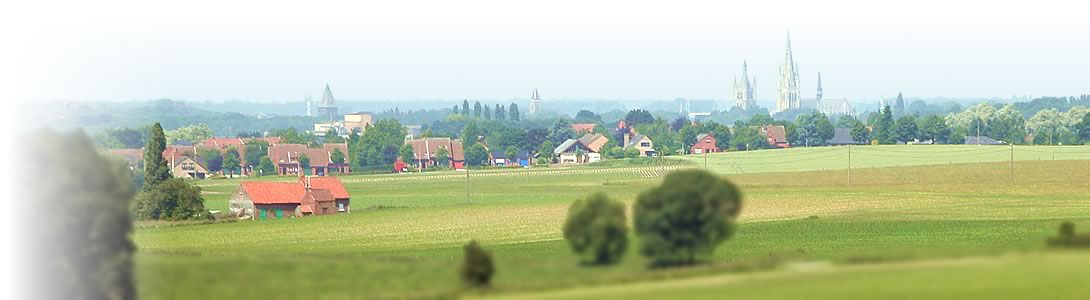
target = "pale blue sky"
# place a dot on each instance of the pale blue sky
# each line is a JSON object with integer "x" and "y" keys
{"x": 568, "y": 49}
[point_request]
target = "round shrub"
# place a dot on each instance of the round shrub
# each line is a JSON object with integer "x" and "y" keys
{"x": 682, "y": 220}
{"x": 477, "y": 268}
{"x": 1067, "y": 229}
{"x": 597, "y": 229}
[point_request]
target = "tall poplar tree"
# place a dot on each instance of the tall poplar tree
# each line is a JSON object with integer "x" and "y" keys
{"x": 155, "y": 166}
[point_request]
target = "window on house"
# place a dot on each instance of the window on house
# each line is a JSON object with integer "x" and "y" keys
{"x": 645, "y": 144}
{"x": 340, "y": 206}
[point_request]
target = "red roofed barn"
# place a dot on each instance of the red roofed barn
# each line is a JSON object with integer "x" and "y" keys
{"x": 308, "y": 196}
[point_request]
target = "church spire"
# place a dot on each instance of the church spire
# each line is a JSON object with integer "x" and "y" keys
{"x": 819, "y": 87}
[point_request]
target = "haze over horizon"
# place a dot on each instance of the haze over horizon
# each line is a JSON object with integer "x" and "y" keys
{"x": 568, "y": 50}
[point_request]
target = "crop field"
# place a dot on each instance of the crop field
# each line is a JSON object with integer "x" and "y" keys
{"x": 926, "y": 210}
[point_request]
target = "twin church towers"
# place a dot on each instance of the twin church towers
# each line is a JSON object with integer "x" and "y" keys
{"x": 788, "y": 89}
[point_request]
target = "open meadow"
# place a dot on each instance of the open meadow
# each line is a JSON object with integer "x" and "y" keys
{"x": 908, "y": 211}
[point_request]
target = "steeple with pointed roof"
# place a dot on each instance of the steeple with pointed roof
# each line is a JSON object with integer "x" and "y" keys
{"x": 327, "y": 106}
{"x": 819, "y": 87}
{"x": 744, "y": 90}
{"x": 789, "y": 97}
{"x": 535, "y": 102}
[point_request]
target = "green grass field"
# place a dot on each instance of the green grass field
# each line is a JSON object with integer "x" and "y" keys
{"x": 404, "y": 236}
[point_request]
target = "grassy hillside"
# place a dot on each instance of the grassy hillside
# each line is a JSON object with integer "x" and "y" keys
{"x": 405, "y": 233}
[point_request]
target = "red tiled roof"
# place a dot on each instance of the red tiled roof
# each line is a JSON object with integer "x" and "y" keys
{"x": 322, "y": 195}
{"x": 583, "y": 127}
{"x": 777, "y": 133}
{"x": 332, "y": 185}
{"x": 274, "y": 192}
{"x": 424, "y": 149}
{"x": 289, "y": 153}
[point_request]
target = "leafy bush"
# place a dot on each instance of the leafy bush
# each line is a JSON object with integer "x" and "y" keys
{"x": 597, "y": 229}
{"x": 477, "y": 268}
{"x": 173, "y": 199}
{"x": 632, "y": 152}
{"x": 684, "y": 219}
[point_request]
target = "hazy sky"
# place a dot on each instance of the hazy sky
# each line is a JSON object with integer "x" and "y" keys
{"x": 265, "y": 51}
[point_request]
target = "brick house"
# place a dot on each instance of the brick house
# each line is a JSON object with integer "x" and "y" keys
{"x": 224, "y": 143}
{"x": 286, "y": 159}
{"x": 776, "y": 134}
{"x": 705, "y": 143}
{"x": 275, "y": 200}
{"x": 425, "y": 152}
{"x": 641, "y": 143}
{"x": 583, "y": 127}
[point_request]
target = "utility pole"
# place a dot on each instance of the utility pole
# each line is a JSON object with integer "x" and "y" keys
{"x": 467, "y": 182}
{"x": 705, "y": 159}
{"x": 1012, "y": 162}
{"x": 849, "y": 164}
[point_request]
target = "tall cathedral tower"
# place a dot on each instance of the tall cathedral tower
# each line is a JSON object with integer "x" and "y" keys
{"x": 744, "y": 91}
{"x": 789, "y": 97}
{"x": 535, "y": 103}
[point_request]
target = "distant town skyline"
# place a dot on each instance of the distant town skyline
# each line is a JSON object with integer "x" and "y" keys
{"x": 646, "y": 52}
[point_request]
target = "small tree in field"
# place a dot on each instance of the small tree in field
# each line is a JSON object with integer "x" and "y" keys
{"x": 597, "y": 229}
{"x": 684, "y": 219}
{"x": 477, "y": 268}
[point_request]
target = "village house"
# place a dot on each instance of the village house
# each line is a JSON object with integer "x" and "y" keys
{"x": 276, "y": 200}
{"x": 286, "y": 159}
{"x": 640, "y": 142}
{"x": 498, "y": 158}
{"x": 705, "y": 143}
{"x": 572, "y": 151}
{"x": 594, "y": 142}
{"x": 425, "y": 153}
{"x": 776, "y": 135}
{"x": 182, "y": 161}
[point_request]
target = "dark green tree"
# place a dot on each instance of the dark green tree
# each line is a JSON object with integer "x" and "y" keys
{"x": 231, "y": 161}
{"x": 266, "y": 167}
{"x": 477, "y": 109}
{"x": 454, "y": 111}
{"x": 443, "y": 156}
{"x": 476, "y": 155}
{"x": 586, "y": 116}
{"x": 465, "y": 107}
{"x": 380, "y": 145}
{"x": 407, "y": 154}
{"x": 546, "y": 151}
{"x": 933, "y": 127}
{"x": 304, "y": 163}
{"x": 560, "y": 132}
{"x": 513, "y": 112}
{"x": 488, "y": 112}
{"x": 213, "y": 158}
{"x": 682, "y": 220}
{"x": 632, "y": 152}
{"x": 501, "y": 112}
{"x": 255, "y": 150}
{"x": 905, "y": 130}
{"x": 173, "y": 199}
{"x": 511, "y": 153}
{"x": 597, "y": 229}
{"x": 337, "y": 156}
{"x": 637, "y": 117}
{"x": 477, "y": 267}
{"x": 470, "y": 133}
{"x": 884, "y": 130}
{"x": 156, "y": 169}
{"x": 1083, "y": 129}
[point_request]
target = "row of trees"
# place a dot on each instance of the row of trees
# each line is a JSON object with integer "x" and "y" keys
{"x": 510, "y": 112}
